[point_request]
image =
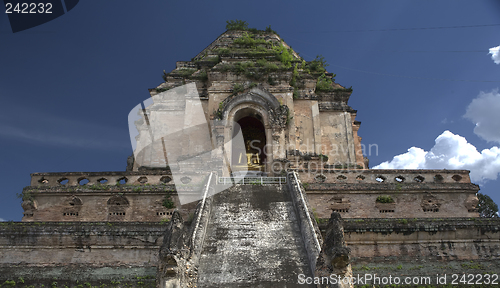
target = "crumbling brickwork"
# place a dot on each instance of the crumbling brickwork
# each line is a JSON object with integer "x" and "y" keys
{"x": 69, "y": 253}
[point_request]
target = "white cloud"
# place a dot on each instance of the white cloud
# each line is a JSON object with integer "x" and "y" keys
{"x": 413, "y": 159}
{"x": 450, "y": 151}
{"x": 495, "y": 54}
{"x": 2, "y": 220}
{"x": 484, "y": 112}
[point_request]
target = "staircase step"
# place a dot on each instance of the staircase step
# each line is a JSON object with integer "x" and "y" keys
{"x": 253, "y": 240}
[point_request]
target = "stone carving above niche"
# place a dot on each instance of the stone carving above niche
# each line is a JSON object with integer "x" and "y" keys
{"x": 117, "y": 206}
{"x": 72, "y": 206}
{"x": 118, "y": 200}
{"x": 430, "y": 203}
{"x": 340, "y": 204}
{"x": 74, "y": 201}
{"x": 279, "y": 116}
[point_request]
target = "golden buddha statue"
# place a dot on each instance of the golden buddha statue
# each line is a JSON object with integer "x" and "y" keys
{"x": 249, "y": 159}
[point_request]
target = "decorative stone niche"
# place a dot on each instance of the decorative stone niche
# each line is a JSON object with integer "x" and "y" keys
{"x": 430, "y": 203}
{"x": 386, "y": 207}
{"x": 117, "y": 207}
{"x": 320, "y": 178}
{"x": 340, "y": 204}
{"x": 385, "y": 204}
{"x": 72, "y": 206}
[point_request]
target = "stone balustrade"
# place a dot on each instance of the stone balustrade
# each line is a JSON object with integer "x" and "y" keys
{"x": 369, "y": 176}
{"x": 394, "y": 176}
{"x": 101, "y": 178}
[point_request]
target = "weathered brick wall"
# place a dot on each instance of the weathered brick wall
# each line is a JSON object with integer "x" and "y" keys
{"x": 145, "y": 206}
{"x": 65, "y": 197}
{"x": 303, "y": 121}
{"x": 416, "y": 193}
{"x": 425, "y": 248}
{"x": 439, "y": 239}
{"x": 353, "y": 193}
{"x": 99, "y": 252}
{"x": 362, "y": 203}
{"x": 337, "y": 137}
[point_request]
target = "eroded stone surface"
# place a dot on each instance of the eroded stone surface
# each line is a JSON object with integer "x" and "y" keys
{"x": 253, "y": 240}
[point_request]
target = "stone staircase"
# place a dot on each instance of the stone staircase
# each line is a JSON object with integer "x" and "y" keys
{"x": 253, "y": 240}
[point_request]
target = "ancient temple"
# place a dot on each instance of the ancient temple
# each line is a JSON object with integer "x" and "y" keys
{"x": 247, "y": 170}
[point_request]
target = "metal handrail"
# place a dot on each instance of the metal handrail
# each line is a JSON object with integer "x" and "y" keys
{"x": 205, "y": 194}
{"x": 309, "y": 216}
{"x": 252, "y": 180}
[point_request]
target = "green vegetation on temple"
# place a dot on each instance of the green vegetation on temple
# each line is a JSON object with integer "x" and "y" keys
{"x": 259, "y": 56}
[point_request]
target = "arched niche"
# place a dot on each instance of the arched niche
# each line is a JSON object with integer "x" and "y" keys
{"x": 255, "y": 152}
{"x": 118, "y": 200}
{"x": 245, "y": 109}
{"x": 259, "y": 104}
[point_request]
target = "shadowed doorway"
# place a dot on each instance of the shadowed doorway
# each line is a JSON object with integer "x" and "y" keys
{"x": 254, "y": 136}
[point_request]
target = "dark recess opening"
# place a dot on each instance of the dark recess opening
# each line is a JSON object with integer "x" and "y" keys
{"x": 254, "y": 137}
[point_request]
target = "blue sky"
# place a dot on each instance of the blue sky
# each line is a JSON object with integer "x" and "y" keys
{"x": 416, "y": 67}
